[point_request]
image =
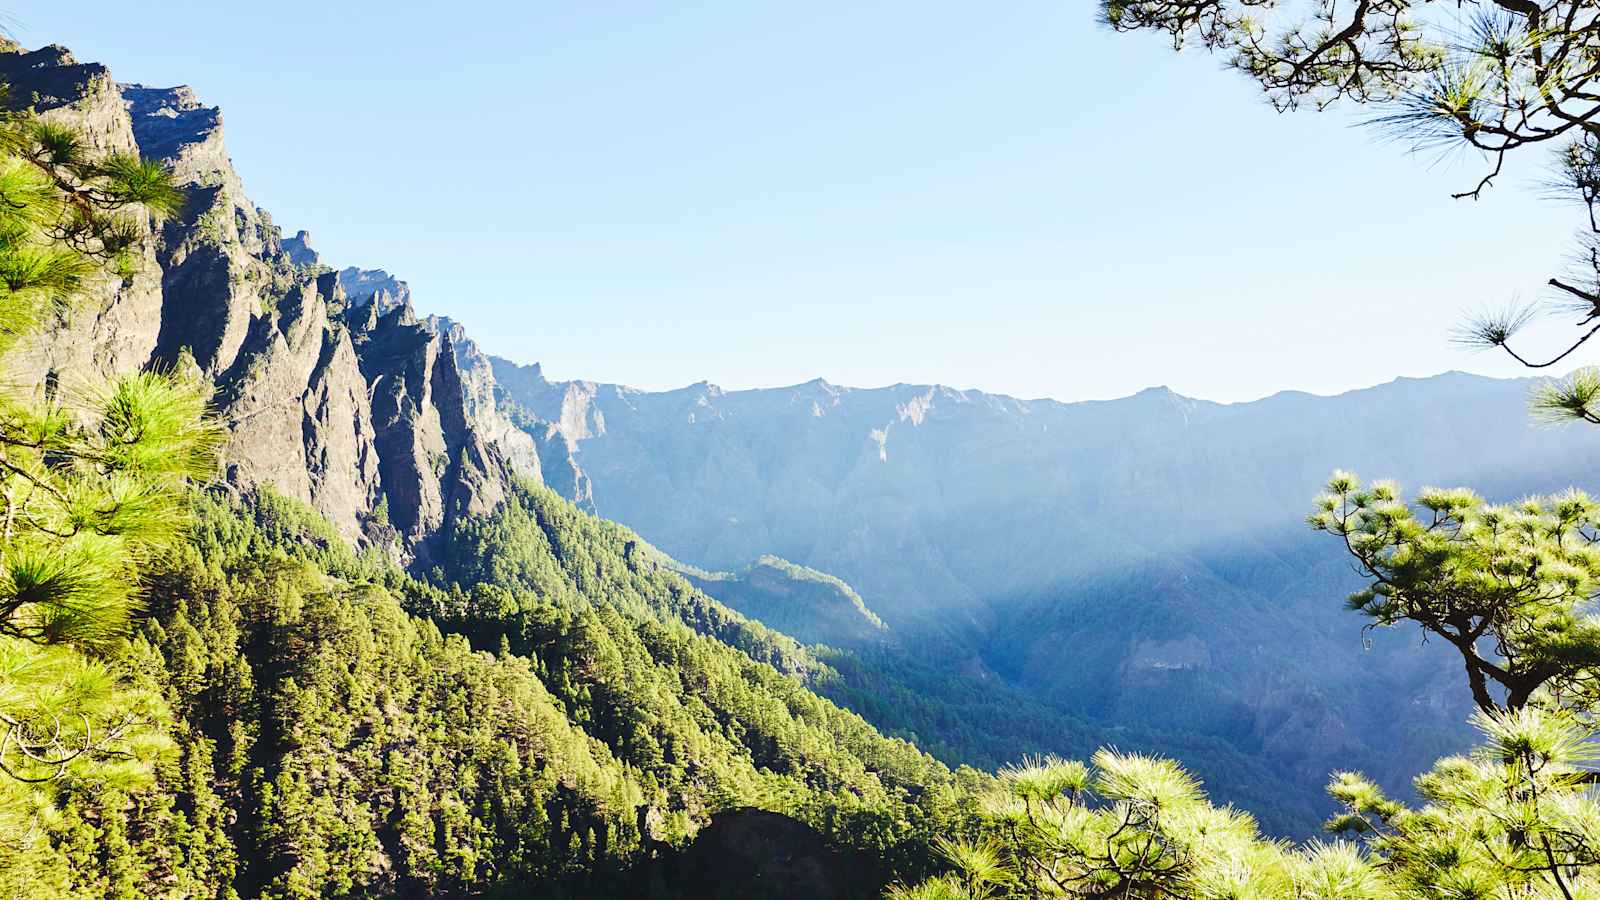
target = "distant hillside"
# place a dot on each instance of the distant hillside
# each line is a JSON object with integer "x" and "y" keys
{"x": 1137, "y": 562}
{"x": 812, "y": 606}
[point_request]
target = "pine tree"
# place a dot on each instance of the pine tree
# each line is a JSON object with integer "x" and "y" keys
{"x": 1490, "y": 77}
{"x": 1509, "y": 587}
{"x": 1516, "y": 818}
{"x": 93, "y": 478}
{"x": 1136, "y": 827}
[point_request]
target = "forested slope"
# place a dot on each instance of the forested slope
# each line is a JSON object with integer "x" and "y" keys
{"x": 335, "y": 732}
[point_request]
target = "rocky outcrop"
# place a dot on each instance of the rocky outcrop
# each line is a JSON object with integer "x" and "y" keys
{"x": 112, "y": 328}
{"x": 337, "y": 402}
{"x": 573, "y": 407}
{"x": 375, "y": 286}
{"x": 527, "y": 400}
{"x": 300, "y": 251}
{"x": 298, "y": 411}
{"x": 222, "y": 262}
{"x": 484, "y": 401}
{"x": 434, "y": 463}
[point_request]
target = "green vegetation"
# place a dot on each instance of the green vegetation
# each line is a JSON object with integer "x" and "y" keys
{"x": 325, "y": 743}
{"x": 1517, "y": 818}
{"x": 1518, "y": 579}
{"x": 682, "y": 688}
{"x": 1513, "y": 820}
{"x": 822, "y": 586}
{"x": 797, "y": 600}
{"x": 92, "y": 489}
{"x": 963, "y": 720}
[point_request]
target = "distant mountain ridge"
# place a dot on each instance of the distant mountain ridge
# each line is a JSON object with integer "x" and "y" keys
{"x": 1141, "y": 560}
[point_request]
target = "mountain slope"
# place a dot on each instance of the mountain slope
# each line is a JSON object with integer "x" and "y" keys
{"x": 331, "y": 740}
{"x": 1139, "y": 562}
{"x": 813, "y": 606}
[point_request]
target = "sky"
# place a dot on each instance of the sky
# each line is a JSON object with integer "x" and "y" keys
{"x": 998, "y": 196}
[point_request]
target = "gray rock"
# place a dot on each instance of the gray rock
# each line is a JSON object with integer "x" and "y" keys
{"x": 300, "y": 250}
{"x": 376, "y": 287}
{"x": 334, "y": 401}
{"x": 113, "y": 327}
{"x": 434, "y": 464}
{"x": 483, "y": 400}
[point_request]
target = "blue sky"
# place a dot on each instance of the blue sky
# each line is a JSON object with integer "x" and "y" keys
{"x": 1000, "y": 196}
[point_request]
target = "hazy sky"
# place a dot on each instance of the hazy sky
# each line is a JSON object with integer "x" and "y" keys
{"x": 992, "y": 195}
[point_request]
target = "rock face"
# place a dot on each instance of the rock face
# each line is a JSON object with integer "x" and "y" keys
{"x": 114, "y": 327}
{"x": 300, "y": 251}
{"x": 338, "y": 402}
{"x": 299, "y": 415}
{"x": 435, "y": 465}
{"x": 521, "y": 391}
{"x": 484, "y": 401}
{"x": 375, "y": 286}
{"x": 221, "y": 262}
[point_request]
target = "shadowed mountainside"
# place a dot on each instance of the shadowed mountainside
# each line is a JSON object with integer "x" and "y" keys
{"x": 1140, "y": 561}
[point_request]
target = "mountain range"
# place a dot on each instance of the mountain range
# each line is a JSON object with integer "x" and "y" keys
{"x": 1136, "y": 561}
{"x": 1131, "y": 571}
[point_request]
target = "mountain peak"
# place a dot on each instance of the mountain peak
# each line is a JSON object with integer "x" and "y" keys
{"x": 375, "y": 286}
{"x": 300, "y": 251}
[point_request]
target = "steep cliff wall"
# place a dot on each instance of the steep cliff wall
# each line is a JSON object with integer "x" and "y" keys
{"x": 114, "y": 327}
{"x": 335, "y": 401}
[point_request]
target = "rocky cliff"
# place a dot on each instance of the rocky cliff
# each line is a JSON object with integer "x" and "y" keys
{"x": 333, "y": 392}
{"x": 486, "y": 407}
{"x": 521, "y": 400}
{"x": 115, "y": 327}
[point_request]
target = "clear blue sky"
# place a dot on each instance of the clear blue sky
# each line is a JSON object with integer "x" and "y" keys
{"x": 991, "y": 195}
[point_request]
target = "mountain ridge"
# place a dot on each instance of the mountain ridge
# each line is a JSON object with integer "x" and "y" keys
{"x": 1112, "y": 559}
{"x": 365, "y": 417}
{"x": 536, "y": 369}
